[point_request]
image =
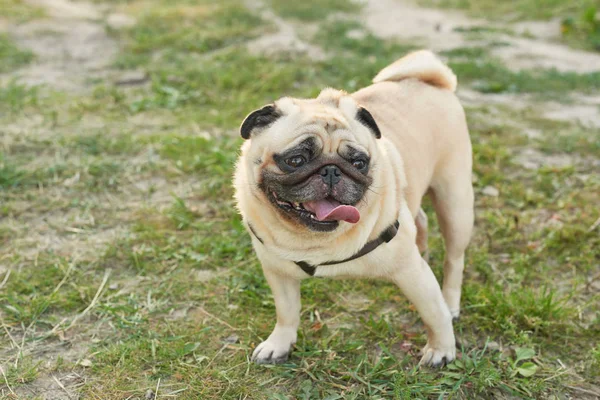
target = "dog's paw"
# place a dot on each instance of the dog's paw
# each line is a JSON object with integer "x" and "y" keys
{"x": 455, "y": 314}
{"x": 437, "y": 356}
{"x": 271, "y": 352}
{"x": 453, "y": 302}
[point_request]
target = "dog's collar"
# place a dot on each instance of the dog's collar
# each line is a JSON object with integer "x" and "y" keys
{"x": 386, "y": 236}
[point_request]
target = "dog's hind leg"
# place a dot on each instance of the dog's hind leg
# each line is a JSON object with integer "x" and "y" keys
{"x": 453, "y": 203}
{"x": 418, "y": 283}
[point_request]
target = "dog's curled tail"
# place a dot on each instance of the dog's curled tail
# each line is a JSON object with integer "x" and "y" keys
{"x": 422, "y": 65}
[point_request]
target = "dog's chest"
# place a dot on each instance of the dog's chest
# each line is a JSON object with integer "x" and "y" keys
{"x": 380, "y": 264}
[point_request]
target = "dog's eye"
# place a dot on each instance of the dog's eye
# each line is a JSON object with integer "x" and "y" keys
{"x": 359, "y": 164}
{"x": 295, "y": 161}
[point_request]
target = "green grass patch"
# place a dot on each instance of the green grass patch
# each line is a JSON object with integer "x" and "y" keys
{"x": 54, "y": 285}
{"x": 23, "y": 373}
{"x": 582, "y": 144}
{"x": 103, "y": 144}
{"x": 182, "y": 237}
{"x": 175, "y": 29}
{"x": 20, "y": 11}
{"x": 583, "y": 30}
{"x": 313, "y": 10}
{"x": 11, "y": 57}
{"x": 471, "y": 53}
{"x": 216, "y": 91}
{"x": 489, "y": 75}
{"x": 212, "y": 160}
{"x": 14, "y": 97}
{"x": 10, "y": 175}
{"x": 515, "y": 10}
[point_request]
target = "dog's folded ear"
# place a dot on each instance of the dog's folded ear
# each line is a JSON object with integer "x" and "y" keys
{"x": 365, "y": 118}
{"x": 259, "y": 119}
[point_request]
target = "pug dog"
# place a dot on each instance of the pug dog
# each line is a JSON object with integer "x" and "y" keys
{"x": 332, "y": 187}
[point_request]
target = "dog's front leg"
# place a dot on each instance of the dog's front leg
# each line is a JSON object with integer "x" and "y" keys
{"x": 277, "y": 347}
{"x": 419, "y": 285}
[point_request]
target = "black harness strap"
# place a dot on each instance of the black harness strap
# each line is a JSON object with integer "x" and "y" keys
{"x": 385, "y": 237}
{"x": 254, "y": 233}
{"x": 306, "y": 267}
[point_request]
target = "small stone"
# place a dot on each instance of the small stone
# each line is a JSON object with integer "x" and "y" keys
{"x": 490, "y": 191}
{"x": 406, "y": 346}
{"x": 532, "y": 133}
{"x": 120, "y": 21}
{"x": 175, "y": 79}
{"x": 493, "y": 346}
{"x": 135, "y": 77}
{"x": 530, "y": 165}
{"x": 356, "y": 34}
{"x": 179, "y": 314}
{"x": 149, "y": 394}
{"x": 204, "y": 275}
{"x": 85, "y": 363}
{"x": 231, "y": 339}
{"x": 72, "y": 180}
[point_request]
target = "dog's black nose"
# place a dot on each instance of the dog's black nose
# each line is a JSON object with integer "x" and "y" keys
{"x": 331, "y": 174}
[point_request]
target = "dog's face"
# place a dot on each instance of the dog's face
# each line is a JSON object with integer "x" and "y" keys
{"x": 312, "y": 159}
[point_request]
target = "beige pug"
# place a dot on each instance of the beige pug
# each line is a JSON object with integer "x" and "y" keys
{"x": 332, "y": 187}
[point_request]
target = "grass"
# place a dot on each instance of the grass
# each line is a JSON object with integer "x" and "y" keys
{"x": 313, "y": 10}
{"x": 11, "y": 57}
{"x": 15, "y": 97}
{"x": 492, "y": 76}
{"x": 520, "y": 9}
{"x": 583, "y": 29}
{"x": 124, "y": 262}
{"x": 20, "y": 11}
{"x": 174, "y": 30}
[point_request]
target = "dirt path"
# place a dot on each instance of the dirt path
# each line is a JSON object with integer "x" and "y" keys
{"x": 71, "y": 45}
{"x": 438, "y": 30}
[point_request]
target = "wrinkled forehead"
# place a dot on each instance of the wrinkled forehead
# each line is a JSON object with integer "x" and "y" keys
{"x": 315, "y": 112}
{"x": 332, "y": 121}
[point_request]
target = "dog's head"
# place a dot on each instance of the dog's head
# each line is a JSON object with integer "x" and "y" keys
{"x": 312, "y": 159}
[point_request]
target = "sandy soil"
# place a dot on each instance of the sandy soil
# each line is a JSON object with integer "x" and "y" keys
{"x": 71, "y": 45}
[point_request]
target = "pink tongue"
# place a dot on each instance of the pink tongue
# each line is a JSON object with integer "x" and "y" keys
{"x": 331, "y": 210}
